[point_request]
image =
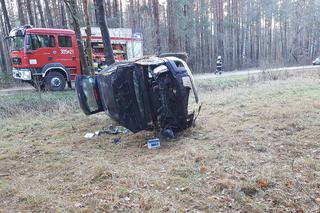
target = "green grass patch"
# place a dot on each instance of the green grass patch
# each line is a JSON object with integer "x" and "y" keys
{"x": 4, "y": 77}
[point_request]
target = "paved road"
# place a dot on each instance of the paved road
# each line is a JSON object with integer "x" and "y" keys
{"x": 253, "y": 71}
{"x": 11, "y": 91}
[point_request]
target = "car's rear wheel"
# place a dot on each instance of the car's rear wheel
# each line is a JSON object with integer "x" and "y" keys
{"x": 55, "y": 81}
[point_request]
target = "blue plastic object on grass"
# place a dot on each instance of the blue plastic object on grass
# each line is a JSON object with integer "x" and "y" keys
{"x": 153, "y": 143}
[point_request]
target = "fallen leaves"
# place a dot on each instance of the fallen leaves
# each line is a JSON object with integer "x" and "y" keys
{"x": 263, "y": 184}
{"x": 203, "y": 170}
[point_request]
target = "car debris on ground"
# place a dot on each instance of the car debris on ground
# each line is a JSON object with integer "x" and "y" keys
{"x": 116, "y": 130}
{"x": 89, "y": 135}
{"x": 153, "y": 143}
{"x": 116, "y": 140}
{"x": 111, "y": 130}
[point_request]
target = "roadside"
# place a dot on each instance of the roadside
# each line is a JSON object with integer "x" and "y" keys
{"x": 15, "y": 90}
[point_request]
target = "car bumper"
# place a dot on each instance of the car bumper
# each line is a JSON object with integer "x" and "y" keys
{"x": 22, "y": 74}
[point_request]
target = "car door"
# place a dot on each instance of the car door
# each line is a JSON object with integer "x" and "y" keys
{"x": 88, "y": 94}
{"x": 40, "y": 49}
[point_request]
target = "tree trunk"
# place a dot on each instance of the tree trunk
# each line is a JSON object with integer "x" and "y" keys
{"x": 258, "y": 36}
{"x": 108, "y": 8}
{"x": 4, "y": 50}
{"x": 42, "y": 20}
{"x": 157, "y": 25}
{"x": 3, "y": 64}
{"x": 220, "y": 28}
{"x": 6, "y": 16}
{"x": 29, "y": 10}
{"x": 132, "y": 17}
{"x": 22, "y": 18}
{"x": 121, "y": 14}
{"x": 88, "y": 37}
{"x": 172, "y": 41}
{"x": 101, "y": 15}
{"x": 73, "y": 9}
{"x": 49, "y": 14}
{"x": 64, "y": 23}
{"x": 116, "y": 13}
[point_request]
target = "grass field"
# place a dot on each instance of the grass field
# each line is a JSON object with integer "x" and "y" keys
{"x": 255, "y": 148}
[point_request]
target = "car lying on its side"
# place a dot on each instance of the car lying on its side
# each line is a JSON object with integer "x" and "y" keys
{"x": 316, "y": 61}
{"x": 151, "y": 93}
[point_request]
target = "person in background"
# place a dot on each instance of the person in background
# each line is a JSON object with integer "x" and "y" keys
{"x": 219, "y": 65}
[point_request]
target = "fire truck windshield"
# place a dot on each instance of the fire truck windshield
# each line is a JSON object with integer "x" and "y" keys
{"x": 16, "y": 43}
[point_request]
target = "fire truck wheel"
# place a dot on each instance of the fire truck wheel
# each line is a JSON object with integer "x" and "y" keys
{"x": 55, "y": 81}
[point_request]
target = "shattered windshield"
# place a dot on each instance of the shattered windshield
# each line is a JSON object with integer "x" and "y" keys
{"x": 89, "y": 93}
{"x": 16, "y": 43}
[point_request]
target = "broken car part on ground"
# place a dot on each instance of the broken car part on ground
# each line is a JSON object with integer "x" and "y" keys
{"x": 151, "y": 93}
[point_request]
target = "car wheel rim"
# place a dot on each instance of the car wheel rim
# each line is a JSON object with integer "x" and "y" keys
{"x": 56, "y": 82}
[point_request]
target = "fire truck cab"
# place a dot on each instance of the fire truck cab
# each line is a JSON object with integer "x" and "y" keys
{"x": 49, "y": 58}
{"x": 44, "y": 57}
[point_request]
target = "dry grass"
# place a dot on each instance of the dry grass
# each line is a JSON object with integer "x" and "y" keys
{"x": 7, "y": 81}
{"x": 255, "y": 149}
{"x": 33, "y": 103}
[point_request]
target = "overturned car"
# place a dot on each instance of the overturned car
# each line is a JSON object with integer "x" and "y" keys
{"x": 152, "y": 93}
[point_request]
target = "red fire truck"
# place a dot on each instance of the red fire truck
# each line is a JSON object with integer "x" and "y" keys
{"x": 49, "y": 58}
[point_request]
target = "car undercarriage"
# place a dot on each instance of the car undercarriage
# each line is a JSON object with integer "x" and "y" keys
{"x": 151, "y": 93}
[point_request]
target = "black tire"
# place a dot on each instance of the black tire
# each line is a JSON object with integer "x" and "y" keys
{"x": 55, "y": 81}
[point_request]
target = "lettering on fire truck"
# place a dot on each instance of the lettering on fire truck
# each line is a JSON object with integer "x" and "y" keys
{"x": 67, "y": 52}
